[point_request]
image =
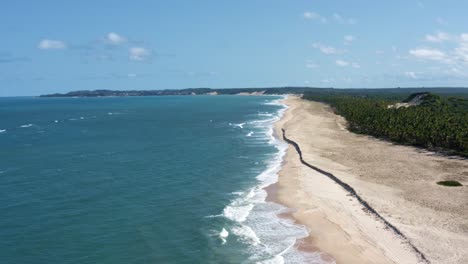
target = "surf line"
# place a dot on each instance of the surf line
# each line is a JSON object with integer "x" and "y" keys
{"x": 353, "y": 193}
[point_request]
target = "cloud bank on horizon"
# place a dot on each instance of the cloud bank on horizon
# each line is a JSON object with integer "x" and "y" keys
{"x": 158, "y": 45}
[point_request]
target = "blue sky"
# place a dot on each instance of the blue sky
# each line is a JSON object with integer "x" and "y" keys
{"x": 59, "y": 46}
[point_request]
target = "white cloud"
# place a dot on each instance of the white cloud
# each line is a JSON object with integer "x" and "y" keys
{"x": 411, "y": 75}
{"x": 456, "y": 55}
{"x": 114, "y": 38}
{"x": 47, "y": 44}
{"x": 139, "y": 54}
{"x": 429, "y": 54}
{"x": 342, "y": 63}
{"x": 438, "y": 37}
{"x": 349, "y": 38}
{"x": 309, "y": 15}
{"x": 435, "y": 74}
{"x": 323, "y": 19}
{"x": 326, "y": 49}
{"x": 314, "y": 16}
{"x": 464, "y": 38}
{"x": 461, "y": 53}
{"x": 342, "y": 20}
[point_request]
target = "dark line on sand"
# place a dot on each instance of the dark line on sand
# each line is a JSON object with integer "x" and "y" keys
{"x": 353, "y": 193}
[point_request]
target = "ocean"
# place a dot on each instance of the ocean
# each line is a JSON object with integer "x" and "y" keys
{"x": 174, "y": 179}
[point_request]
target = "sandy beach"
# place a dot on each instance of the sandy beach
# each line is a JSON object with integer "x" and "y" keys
{"x": 399, "y": 182}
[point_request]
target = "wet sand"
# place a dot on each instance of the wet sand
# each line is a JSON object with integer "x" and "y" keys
{"x": 399, "y": 182}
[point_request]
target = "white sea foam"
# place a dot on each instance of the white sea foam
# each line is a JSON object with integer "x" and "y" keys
{"x": 237, "y": 213}
{"x": 214, "y": 216}
{"x": 275, "y": 102}
{"x": 250, "y": 133}
{"x": 240, "y": 125}
{"x": 265, "y": 114}
{"x": 2, "y": 130}
{"x": 256, "y": 223}
{"x": 275, "y": 260}
{"x": 247, "y": 234}
{"x": 56, "y": 121}
{"x": 264, "y": 121}
{"x": 223, "y": 235}
{"x": 25, "y": 126}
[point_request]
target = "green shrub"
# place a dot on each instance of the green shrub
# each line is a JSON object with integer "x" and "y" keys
{"x": 450, "y": 183}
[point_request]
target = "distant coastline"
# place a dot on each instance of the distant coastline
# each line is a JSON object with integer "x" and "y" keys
{"x": 256, "y": 91}
{"x": 189, "y": 91}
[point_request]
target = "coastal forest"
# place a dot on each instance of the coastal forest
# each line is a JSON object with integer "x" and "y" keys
{"x": 436, "y": 122}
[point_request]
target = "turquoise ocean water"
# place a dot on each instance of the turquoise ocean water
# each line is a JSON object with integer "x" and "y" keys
{"x": 174, "y": 179}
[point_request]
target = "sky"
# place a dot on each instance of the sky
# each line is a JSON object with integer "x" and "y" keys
{"x": 60, "y": 46}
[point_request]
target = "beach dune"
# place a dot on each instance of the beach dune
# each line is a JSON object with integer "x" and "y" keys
{"x": 399, "y": 182}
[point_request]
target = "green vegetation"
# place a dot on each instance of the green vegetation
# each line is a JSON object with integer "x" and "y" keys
{"x": 426, "y": 120}
{"x": 450, "y": 183}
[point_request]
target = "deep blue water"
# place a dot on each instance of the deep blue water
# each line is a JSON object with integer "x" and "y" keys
{"x": 139, "y": 180}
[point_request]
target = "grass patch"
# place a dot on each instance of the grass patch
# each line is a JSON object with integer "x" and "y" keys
{"x": 450, "y": 183}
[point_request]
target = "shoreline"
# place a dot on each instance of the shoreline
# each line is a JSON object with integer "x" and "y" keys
{"x": 337, "y": 222}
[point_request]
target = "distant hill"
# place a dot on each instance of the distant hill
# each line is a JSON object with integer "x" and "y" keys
{"x": 390, "y": 93}
{"x": 189, "y": 91}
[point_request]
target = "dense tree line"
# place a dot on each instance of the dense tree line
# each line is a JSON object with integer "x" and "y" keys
{"x": 435, "y": 123}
